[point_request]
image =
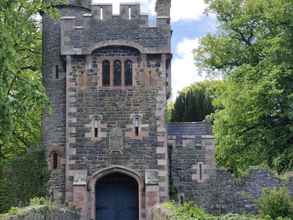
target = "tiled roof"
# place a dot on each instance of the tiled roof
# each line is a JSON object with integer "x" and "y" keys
{"x": 189, "y": 128}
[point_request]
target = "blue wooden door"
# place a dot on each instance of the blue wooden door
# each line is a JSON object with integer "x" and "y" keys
{"x": 117, "y": 198}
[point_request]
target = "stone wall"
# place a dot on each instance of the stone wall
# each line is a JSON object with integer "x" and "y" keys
{"x": 43, "y": 213}
{"x": 114, "y": 109}
{"x": 192, "y": 157}
{"x": 194, "y": 176}
{"x": 223, "y": 193}
{"x": 54, "y": 123}
{"x": 74, "y": 47}
{"x": 124, "y": 29}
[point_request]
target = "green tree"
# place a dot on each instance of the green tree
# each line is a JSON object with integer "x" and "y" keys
{"x": 22, "y": 96}
{"x": 169, "y": 109}
{"x": 194, "y": 102}
{"x": 254, "y": 51}
{"x": 23, "y": 178}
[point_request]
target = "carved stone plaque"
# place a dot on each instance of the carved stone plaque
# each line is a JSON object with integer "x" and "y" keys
{"x": 80, "y": 177}
{"x": 151, "y": 177}
{"x": 116, "y": 140}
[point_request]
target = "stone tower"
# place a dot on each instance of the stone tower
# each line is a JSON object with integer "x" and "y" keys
{"x": 108, "y": 78}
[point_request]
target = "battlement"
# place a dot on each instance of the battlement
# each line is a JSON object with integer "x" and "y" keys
{"x": 82, "y": 31}
{"x": 128, "y": 11}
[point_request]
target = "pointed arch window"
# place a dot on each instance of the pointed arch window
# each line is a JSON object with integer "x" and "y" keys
{"x": 128, "y": 73}
{"x": 106, "y": 73}
{"x": 117, "y": 73}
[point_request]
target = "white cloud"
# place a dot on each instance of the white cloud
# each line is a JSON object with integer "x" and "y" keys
{"x": 187, "y": 9}
{"x": 181, "y": 9}
{"x": 184, "y": 71}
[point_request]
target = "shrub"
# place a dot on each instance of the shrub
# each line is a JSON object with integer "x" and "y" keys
{"x": 188, "y": 211}
{"x": 36, "y": 201}
{"x": 13, "y": 211}
{"x": 276, "y": 203}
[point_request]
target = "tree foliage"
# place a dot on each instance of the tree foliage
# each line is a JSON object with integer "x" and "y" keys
{"x": 254, "y": 50}
{"x": 22, "y": 96}
{"x": 168, "y": 111}
{"x": 194, "y": 102}
{"x": 23, "y": 178}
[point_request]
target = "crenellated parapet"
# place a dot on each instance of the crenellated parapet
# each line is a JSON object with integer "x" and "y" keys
{"x": 79, "y": 36}
{"x": 163, "y": 9}
{"x": 128, "y": 11}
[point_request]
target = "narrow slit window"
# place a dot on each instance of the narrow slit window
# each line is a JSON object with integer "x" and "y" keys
{"x": 200, "y": 171}
{"x": 57, "y": 72}
{"x": 181, "y": 198}
{"x": 106, "y": 73}
{"x": 136, "y": 126}
{"x": 96, "y": 129}
{"x": 128, "y": 73}
{"x": 101, "y": 13}
{"x": 55, "y": 160}
{"x": 136, "y": 131}
{"x": 129, "y": 13}
{"x": 96, "y": 132}
{"x": 117, "y": 73}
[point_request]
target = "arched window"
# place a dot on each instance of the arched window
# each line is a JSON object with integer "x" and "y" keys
{"x": 55, "y": 160}
{"x": 128, "y": 73}
{"x": 117, "y": 73}
{"x": 106, "y": 73}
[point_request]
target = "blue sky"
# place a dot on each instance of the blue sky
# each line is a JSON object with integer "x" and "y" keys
{"x": 189, "y": 24}
{"x": 186, "y": 36}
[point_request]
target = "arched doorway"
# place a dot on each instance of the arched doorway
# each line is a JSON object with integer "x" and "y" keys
{"x": 117, "y": 198}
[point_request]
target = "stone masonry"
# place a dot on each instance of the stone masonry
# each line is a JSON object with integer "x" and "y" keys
{"x": 94, "y": 130}
{"x": 99, "y": 125}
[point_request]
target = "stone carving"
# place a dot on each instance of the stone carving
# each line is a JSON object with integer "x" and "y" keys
{"x": 116, "y": 140}
{"x": 151, "y": 177}
{"x": 80, "y": 178}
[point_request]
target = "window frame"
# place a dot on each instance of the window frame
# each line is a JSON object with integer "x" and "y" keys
{"x": 126, "y": 62}
{"x": 108, "y": 84}
{"x": 117, "y": 82}
{"x": 126, "y": 81}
